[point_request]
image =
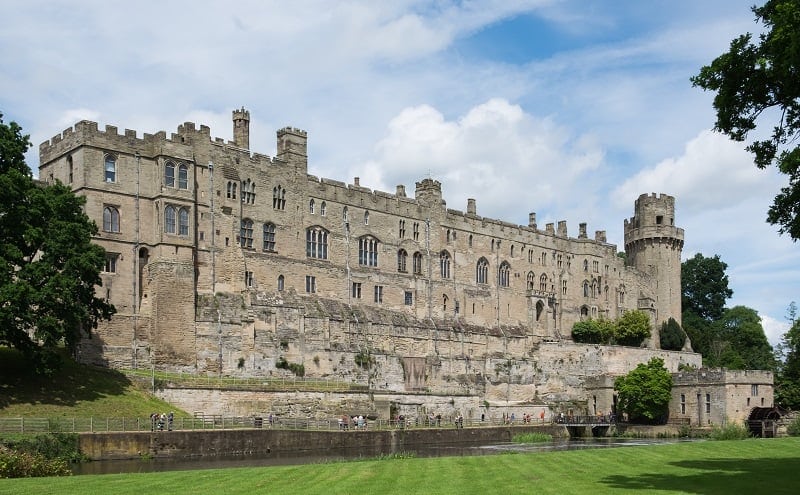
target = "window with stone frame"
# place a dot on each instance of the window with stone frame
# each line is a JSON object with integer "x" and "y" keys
{"x": 317, "y": 243}
{"x": 269, "y": 237}
{"x": 504, "y": 275}
{"x": 183, "y": 177}
{"x": 169, "y": 174}
{"x": 183, "y": 221}
{"x": 368, "y": 251}
{"x": 110, "y": 219}
{"x": 110, "y": 168}
{"x": 417, "y": 261}
{"x": 170, "y": 214}
{"x": 246, "y": 233}
{"x": 402, "y": 257}
{"x": 482, "y": 271}
{"x": 111, "y": 262}
{"x": 311, "y": 284}
{"x": 444, "y": 264}
{"x": 278, "y": 198}
{"x": 248, "y": 192}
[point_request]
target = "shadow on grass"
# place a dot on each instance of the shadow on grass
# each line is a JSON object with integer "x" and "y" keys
{"x": 73, "y": 383}
{"x": 718, "y": 476}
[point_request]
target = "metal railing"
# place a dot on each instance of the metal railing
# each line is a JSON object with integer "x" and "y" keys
{"x": 214, "y": 422}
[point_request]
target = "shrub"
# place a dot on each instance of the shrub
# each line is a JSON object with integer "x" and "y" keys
{"x": 793, "y": 429}
{"x": 532, "y": 437}
{"x": 672, "y": 336}
{"x": 730, "y": 431}
{"x": 587, "y": 332}
{"x": 16, "y": 464}
{"x": 632, "y": 328}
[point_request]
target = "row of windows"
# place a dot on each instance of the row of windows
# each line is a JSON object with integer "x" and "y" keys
{"x": 176, "y": 220}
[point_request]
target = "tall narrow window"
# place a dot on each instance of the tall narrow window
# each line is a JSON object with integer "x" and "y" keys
{"x": 708, "y": 403}
{"x": 111, "y": 168}
{"x": 585, "y": 288}
{"x": 543, "y": 283}
{"x": 246, "y": 235}
{"x": 183, "y": 221}
{"x": 317, "y": 243}
{"x": 444, "y": 302}
{"x": 402, "y": 257}
{"x": 311, "y": 284}
{"x": 366, "y": 218}
{"x": 482, "y": 271}
{"x": 248, "y": 279}
{"x": 444, "y": 264}
{"x": 281, "y": 282}
{"x": 278, "y": 198}
{"x": 323, "y": 209}
{"x": 169, "y": 174}
{"x": 530, "y": 281}
{"x": 416, "y": 231}
{"x": 110, "y": 219}
{"x": 169, "y": 219}
{"x": 368, "y": 251}
{"x": 378, "y": 293}
{"x": 504, "y": 275}
{"x": 311, "y": 206}
{"x": 70, "y": 168}
{"x": 248, "y": 192}
{"x": 356, "y": 292}
{"x": 683, "y": 403}
{"x": 417, "y": 263}
{"x": 183, "y": 177}
{"x": 269, "y": 237}
{"x": 409, "y": 298}
{"x": 344, "y": 215}
{"x": 401, "y": 231}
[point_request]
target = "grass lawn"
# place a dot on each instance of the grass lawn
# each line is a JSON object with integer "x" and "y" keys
{"x": 722, "y": 467}
{"x": 75, "y": 391}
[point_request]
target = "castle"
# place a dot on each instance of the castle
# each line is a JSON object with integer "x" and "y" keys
{"x": 226, "y": 261}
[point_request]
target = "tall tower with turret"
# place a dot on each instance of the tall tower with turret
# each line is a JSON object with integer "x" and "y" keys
{"x": 241, "y": 128}
{"x": 653, "y": 245}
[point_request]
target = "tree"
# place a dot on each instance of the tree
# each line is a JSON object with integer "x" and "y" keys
{"x": 704, "y": 286}
{"x": 632, "y": 328}
{"x": 48, "y": 265}
{"x": 672, "y": 335}
{"x": 645, "y": 392}
{"x": 757, "y": 82}
{"x": 787, "y": 378}
{"x": 740, "y": 341}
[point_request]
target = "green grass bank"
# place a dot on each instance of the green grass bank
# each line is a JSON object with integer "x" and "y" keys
{"x": 708, "y": 467}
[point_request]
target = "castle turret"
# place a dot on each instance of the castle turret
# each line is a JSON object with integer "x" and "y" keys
{"x": 293, "y": 146}
{"x": 241, "y": 128}
{"x": 653, "y": 245}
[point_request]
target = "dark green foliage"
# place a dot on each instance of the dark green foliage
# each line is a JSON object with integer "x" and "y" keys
{"x": 738, "y": 342}
{"x": 15, "y": 464}
{"x": 787, "y": 379}
{"x": 364, "y": 360}
{"x": 62, "y": 446}
{"x": 704, "y": 287}
{"x": 645, "y": 392}
{"x": 698, "y": 331}
{"x": 297, "y": 369}
{"x": 587, "y": 332}
{"x": 756, "y": 85}
{"x": 48, "y": 265}
{"x": 672, "y": 335}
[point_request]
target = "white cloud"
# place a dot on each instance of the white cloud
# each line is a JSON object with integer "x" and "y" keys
{"x": 774, "y": 329}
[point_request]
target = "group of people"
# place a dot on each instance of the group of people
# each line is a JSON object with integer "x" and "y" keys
{"x": 357, "y": 422}
{"x": 161, "y": 421}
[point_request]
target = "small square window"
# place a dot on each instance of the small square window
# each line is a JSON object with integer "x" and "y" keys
{"x": 409, "y": 298}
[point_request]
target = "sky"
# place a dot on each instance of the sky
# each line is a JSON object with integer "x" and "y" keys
{"x": 570, "y": 109}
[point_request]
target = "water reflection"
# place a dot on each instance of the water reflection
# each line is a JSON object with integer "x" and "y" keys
{"x": 276, "y": 459}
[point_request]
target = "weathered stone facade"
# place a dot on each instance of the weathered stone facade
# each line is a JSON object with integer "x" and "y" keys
{"x": 226, "y": 261}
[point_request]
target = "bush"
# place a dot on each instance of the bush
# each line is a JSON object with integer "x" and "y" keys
{"x": 730, "y": 431}
{"x": 793, "y": 429}
{"x": 63, "y": 446}
{"x": 16, "y": 464}
{"x": 587, "y": 332}
{"x": 632, "y": 328}
{"x": 672, "y": 336}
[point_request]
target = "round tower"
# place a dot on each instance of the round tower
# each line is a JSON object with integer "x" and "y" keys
{"x": 241, "y": 128}
{"x": 653, "y": 245}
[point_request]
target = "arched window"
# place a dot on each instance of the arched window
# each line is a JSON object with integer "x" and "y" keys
{"x": 110, "y": 219}
{"x": 417, "y": 263}
{"x": 539, "y": 310}
{"x": 169, "y": 219}
{"x": 530, "y": 281}
{"x": 368, "y": 251}
{"x": 344, "y": 215}
{"x": 111, "y": 168}
{"x": 246, "y": 236}
{"x": 278, "y": 198}
{"x": 169, "y": 174}
{"x": 594, "y": 288}
{"x": 469, "y": 240}
{"x": 323, "y": 209}
{"x": 585, "y": 288}
{"x": 444, "y": 264}
{"x": 586, "y": 265}
{"x": 584, "y": 312}
{"x": 401, "y": 230}
{"x": 70, "y": 167}
{"x": 183, "y": 177}
{"x": 269, "y": 237}
{"x": 482, "y": 271}
{"x": 317, "y": 243}
{"x": 444, "y": 302}
{"x": 504, "y": 275}
{"x": 543, "y": 282}
{"x": 280, "y": 282}
{"x": 231, "y": 190}
{"x": 402, "y": 257}
{"x": 311, "y": 206}
{"x": 544, "y": 259}
{"x": 366, "y": 218}
{"x": 622, "y": 294}
{"x": 512, "y": 250}
{"x": 183, "y": 221}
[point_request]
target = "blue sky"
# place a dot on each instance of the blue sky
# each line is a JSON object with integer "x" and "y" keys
{"x": 569, "y": 109}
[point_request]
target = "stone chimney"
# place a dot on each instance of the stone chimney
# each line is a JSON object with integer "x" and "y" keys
{"x": 471, "y": 208}
{"x": 241, "y": 128}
